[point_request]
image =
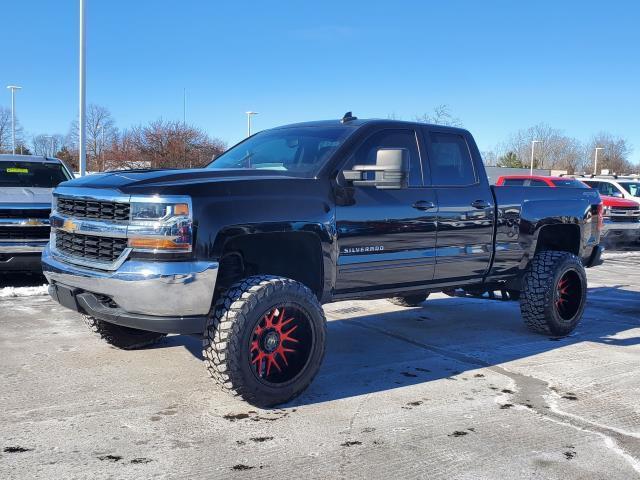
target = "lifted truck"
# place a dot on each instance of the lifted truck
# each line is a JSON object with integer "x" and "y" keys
{"x": 26, "y": 184}
{"x": 245, "y": 251}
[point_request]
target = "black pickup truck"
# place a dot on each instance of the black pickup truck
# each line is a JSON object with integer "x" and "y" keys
{"x": 245, "y": 251}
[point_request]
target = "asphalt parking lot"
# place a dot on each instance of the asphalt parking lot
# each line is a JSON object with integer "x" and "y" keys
{"x": 456, "y": 389}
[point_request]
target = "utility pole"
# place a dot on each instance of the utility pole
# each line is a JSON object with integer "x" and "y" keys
{"x": 83, "y": 90}
{"x": 533, "y": 144}
{"x": 13, "y": 89}
{"x": 249, "y": 115}
{"x": 595, "y": 163}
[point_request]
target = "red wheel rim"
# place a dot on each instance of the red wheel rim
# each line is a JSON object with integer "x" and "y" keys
{"x": 568, "y": 297}
{"x": 280, "y": 344}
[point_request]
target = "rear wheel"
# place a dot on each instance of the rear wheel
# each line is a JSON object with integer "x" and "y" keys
{"x": 409, "y": 300}
{"x": 265, "y": 340}
{"x": 554, "y": 293}
{"x": 124, "y": 338}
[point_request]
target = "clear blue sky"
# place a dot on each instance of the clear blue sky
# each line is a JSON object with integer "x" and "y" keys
{"x": 500, "y": 65}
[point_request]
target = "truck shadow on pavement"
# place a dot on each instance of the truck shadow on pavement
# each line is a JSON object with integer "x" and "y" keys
{"x": 447, "y": 338}
{"x": 450, "y": 338}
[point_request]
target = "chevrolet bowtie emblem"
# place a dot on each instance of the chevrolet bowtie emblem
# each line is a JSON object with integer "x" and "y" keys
{"x": 33, "y": 222}
{"x": 69, "y": 226}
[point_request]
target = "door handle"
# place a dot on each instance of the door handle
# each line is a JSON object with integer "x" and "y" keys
{"x": 479, "y": 204}
{"x": 423, "y": 205}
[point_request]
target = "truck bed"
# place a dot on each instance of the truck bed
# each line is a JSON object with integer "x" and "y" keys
{"x": 523, "y": 212}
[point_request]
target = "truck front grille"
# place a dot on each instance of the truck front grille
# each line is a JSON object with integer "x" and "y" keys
{"x": 24, "y": 233}
{"x": 624, "y": 209}
{"x": 25, "y": 212}
{"x": 100, "y": 210}
{"x": 91, "y": 247}
{"x": 625, "y": 219}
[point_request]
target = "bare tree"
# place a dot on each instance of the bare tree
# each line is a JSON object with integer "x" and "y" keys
{"x": 166, "y": 144}
{"x": 124, "y": 153}
{"x": 101, "y": 132}
{"x": 553, "y": 149}
{"x": 5, "y": 129}
{"x": 490, "y": 158}
{"x": 614, "y": 155}
{"x": 5, "y": 132}
{"x": 441, "y": 115}
{"x": 47, "y": 145}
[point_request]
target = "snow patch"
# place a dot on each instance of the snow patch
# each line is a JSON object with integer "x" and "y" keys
{"x": 609, "y": 254}
{"x": 9, "y": 292}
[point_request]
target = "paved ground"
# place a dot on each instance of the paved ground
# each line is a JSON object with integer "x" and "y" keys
{"x": 457, "y": 389}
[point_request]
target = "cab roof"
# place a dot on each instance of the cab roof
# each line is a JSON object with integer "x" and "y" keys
{"x": 28, "y": 158}
{"x": 357, "y": 123}
{"x": 537, "y": 177}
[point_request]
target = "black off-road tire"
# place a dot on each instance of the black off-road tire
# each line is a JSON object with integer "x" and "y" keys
{"x": 228, "y": 338}
{"x": 409, "y": 300}
{"x": 544, "y": 308}
{"x": 124, "y": 338}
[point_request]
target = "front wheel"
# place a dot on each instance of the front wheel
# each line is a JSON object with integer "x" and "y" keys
{"x": 265, "y": 340}
{"x": 554, "y": 293}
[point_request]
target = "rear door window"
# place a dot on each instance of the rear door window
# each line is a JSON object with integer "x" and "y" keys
{"x": 569, "y": 183}
{"x": 450, "y": 159}
{"x": 606, "y": 188}
{"x": 513, "y": 182}
{"x": 537, "y": 183}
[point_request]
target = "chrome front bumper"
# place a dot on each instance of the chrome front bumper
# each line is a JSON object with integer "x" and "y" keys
{"x": 23, "y": 246}
{"x": 162, "y": 289}
{"x": 629, "y": 228}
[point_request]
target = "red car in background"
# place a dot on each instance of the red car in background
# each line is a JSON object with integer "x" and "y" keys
{"x": 621, "y": 216}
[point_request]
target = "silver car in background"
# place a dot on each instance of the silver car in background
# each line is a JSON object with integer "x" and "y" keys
{"x": 26, "y": 184}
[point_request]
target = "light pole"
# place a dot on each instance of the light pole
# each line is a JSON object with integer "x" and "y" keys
{"x": 249, "y": 115}
{"x": 13, "y": 89}
{"x": 533, "y": 144}
{"x": 83, "y": 90}
{"x": 595, "y": 163}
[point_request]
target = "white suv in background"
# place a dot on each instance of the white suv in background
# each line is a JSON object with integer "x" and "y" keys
{"x": 628, "y": 188}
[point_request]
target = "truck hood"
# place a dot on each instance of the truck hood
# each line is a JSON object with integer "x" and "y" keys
{"x": 131, "y": 179}
{"x": 609, "y": 201}
{"x": 25, "y": 195}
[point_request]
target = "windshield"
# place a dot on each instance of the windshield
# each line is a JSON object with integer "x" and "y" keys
{"x": 32, "y": 174}
{"x": 569, "y": 183}
{"x": 298, "y": 150}
{"x": 632, "y": 187}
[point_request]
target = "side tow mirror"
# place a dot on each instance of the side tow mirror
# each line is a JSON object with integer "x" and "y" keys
{"x": 390, "y": 171}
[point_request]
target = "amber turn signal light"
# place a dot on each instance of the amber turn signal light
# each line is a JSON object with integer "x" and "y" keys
{"x": 156, "y": 244}
{"x": 181, "y": 209}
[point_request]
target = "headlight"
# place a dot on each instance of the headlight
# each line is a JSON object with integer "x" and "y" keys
{"x": 161, "y": 224}
{"x": 157, "y": 211}
{"x": 606, "y": 211}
